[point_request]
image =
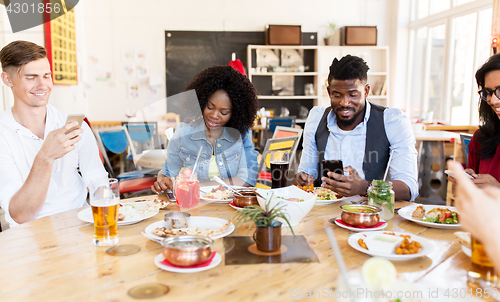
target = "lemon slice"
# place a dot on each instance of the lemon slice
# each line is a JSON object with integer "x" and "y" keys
{"x": 379, "y": 273}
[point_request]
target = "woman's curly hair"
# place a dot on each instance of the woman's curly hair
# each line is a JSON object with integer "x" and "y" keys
{"x": 240, "y": 90}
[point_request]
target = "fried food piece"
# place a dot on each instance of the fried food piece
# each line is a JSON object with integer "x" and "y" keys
{"x": 419, "y": 212}
{"x": 464, "y": 238}
{"x": 362, "y": 244}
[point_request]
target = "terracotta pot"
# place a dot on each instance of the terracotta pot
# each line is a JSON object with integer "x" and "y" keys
{"x": 268, "y": 239}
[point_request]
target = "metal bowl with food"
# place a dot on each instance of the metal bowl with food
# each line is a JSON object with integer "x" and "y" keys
{"x": 187, "y": 250}
{"x": 249, "y": 198}
{"x": 360, "y": 215}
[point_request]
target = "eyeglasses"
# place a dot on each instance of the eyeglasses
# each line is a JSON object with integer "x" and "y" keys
{"x": 486, "y": 92}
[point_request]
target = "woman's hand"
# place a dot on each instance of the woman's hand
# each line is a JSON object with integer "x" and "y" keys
{"x": 485, "y": 180}
{"x": 161, "y": 184}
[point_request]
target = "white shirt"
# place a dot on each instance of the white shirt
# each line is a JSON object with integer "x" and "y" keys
{"x": 67, "y": 189}
{"x": 349, "y": 146}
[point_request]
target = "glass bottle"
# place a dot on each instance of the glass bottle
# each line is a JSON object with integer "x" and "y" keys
{"x": 380, "y": 192}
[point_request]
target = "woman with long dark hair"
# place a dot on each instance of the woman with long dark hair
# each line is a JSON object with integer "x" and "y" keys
{"x": 228, "y": 103}
{"x": 484, "y": 151}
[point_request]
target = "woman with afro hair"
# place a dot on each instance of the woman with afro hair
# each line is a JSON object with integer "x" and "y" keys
{"x": 228, "y": 103}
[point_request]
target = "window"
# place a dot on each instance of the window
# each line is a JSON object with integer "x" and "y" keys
{"x": 449, "y": 41}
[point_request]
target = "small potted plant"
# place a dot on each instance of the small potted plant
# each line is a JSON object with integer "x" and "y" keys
{"x": 329, "y": 34}
{"x": 268, "y": 233}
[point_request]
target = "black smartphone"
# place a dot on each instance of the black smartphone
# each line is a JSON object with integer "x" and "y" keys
{"x": 171, "y": 195}
{"x": 332, "y": 166}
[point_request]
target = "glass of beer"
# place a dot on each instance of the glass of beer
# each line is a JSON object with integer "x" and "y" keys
{"x": 482, "y": 271}
{"x": 104, "y": 197}
{"x": 279, "y": 168}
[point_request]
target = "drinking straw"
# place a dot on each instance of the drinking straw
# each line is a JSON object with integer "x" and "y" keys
{"x": 338, "y": 257}
{"x": 388, "y": 164}
{"x": 195, "y": 163}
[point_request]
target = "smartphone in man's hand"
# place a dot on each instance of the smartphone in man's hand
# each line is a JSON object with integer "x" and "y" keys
{"x": 75, "y": 118}
{"x": 335, "y": 166}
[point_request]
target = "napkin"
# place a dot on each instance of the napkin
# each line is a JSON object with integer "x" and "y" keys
{"x": 380, "y": 223}
{"x": 204, "y": 264}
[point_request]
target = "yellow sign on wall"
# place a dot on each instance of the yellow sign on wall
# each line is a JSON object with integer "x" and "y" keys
{"x": 62, "y": 48}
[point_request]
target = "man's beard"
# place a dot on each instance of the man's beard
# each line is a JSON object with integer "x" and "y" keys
{"x": 348, "y": 123}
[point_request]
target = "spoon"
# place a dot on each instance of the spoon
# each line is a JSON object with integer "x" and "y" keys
{"x": 225, "y": 185}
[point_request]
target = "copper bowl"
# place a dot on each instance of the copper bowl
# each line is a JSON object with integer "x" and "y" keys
{"x": 360, "y": 215}
{"x": 187, "y": 250}
{"x": 249, "y": 198}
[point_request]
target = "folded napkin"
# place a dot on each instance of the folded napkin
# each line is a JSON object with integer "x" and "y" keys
{"x": 380, "y": 223}
{"x": 204, "y": 264}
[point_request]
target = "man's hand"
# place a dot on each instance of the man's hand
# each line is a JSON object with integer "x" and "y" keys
{"x": 57, "y": 144}
{"x": 349, "y": 185}
{"x": 302, "y": 179}
{"x": 161, "y": 184}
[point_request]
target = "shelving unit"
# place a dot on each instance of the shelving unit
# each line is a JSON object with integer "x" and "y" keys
{"x": 310, "y": 65}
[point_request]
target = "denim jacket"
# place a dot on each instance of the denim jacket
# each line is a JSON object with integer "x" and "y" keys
{"x": 234, "y": 157}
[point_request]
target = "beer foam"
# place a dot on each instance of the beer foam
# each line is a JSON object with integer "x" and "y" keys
{"x": 105, "y": 202}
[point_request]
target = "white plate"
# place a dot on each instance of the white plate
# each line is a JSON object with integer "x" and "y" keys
{"x": 355, "y": 229}
{"x": 207, "y": 189}
{"x": 408, "y": 210}
{"x": 428, "y": 246}
{"x": 215, "y": 261}
{"x": 196, "y": 221}
{"x": 86, "y": 215}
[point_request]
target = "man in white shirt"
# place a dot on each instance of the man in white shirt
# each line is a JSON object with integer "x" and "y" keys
{"x": 38, "y": 162}
{"x": 359, "y": 133}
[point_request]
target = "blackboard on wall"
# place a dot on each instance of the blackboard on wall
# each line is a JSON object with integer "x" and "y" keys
{"x": 189, "y": 52}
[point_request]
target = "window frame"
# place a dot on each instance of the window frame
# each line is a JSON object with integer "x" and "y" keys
{"x": 430, "y": 21}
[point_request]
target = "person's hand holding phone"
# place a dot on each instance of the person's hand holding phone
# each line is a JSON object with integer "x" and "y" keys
{"x": 162, "y": 185}
{"x": 346, "y": 185}
{"x": 60, "y": 142}
{"x": 302, "y": 179}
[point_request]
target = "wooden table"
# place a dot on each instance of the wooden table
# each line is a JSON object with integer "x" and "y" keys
{"x": 53, "y": 259}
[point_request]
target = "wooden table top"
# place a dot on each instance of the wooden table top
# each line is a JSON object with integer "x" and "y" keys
{"x": 53, "y": 259}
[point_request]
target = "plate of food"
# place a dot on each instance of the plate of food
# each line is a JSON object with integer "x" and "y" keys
{"x": 129, "y": 212}
{"x": 216, "y": 194}
{"x": 324, "y": 195}
{"x": 391, "y": 245}
{"x": 199, "y": 225}
{"x": 434, "y": 216}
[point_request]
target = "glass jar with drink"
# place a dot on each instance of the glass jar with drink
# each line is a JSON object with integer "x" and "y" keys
{"x": 381, "y": 193}
{"x": 279, "y": 168}
{"x": 187, "y": 189}
{"x": 104, "y": 198}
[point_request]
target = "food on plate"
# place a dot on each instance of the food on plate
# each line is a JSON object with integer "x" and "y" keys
{"x": 441, "y": 215}
{"x": 362, "y": 243}
{"x": 406, "y": 247}
{"x": 464, "y": 238}
{"x": 308, "y": 189}
{"x": 207, "y": 232}
{"x": 419, "y": 212}
{"x": 137, "y": 210}
{"x": 218, "y": 193}
{"x": 325, "y": 194}
{"x": 359, "y": 209}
